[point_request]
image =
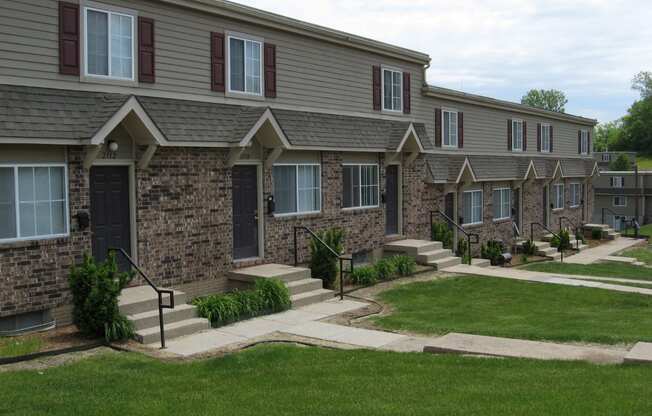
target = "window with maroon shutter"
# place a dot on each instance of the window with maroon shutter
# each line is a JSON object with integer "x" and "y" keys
{"x": 438, "y": 127}
{"x": 68, "y": 38}
{"x": 406, "y": 93}
{"x": 551, "y": 139}
{"x": 270, "y": 70}
{"x": 509, "y": 135}
{"x": 460, "y": 129}
{"x": 524, "y": 135}
{"x": 217, "y": 62}
{"x": 376, "y": 87}
{"x": 588, "y": 142}
{"x": 146, "y": 50}
{"x": 579, "y": 141}
{"x": 538, "y": 137}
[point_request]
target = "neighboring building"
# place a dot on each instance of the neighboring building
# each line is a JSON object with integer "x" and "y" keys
{"x": 604, "y": 159}
{"x": 623, "y": 196}
{"x": 196, "y": 134}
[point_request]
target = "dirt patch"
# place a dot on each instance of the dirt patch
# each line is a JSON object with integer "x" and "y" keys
{"x": 44, "y": 363}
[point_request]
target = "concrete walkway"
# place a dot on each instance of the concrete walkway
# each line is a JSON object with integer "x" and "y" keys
{"x": 559, "y": 279}
{"x": 602, "y": 251}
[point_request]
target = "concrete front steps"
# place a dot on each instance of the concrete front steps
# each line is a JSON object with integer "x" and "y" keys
{"x": 573, "y": 242}
{"x": 304, "y": 290}
{"x": 544, "y": 249}
{"x": 140, "y": 305}
{"x": 608, "y": 233}
{"x": 428, "y": 253}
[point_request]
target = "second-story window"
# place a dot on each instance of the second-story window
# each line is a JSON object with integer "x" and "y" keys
{"x": 545, "y": 138}
{"x": 517, "y": 135}
{"x": 617, "y": 181}
{"x": 449, "y": 130}
{"x": 245, "y": 65}
{"x": 109, "y": 44}
{"x": 392, "y": 90}
{"x": 606, "y": 157}
{"x": 584, "y": 142}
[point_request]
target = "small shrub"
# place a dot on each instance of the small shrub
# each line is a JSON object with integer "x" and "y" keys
{"x": 323, "y": 265}
{"x": 405, "y": 265}
{"x": 529, "y": 248}
{"x": 441, "y": 232}
{"x": 95, "y": 290}
{"x": 524, "y": 259}
{"x": 596, "y": 234}
{"x": 385, "y": 269}
{"x": 492, "y": 252}
{"x": 563, "y": 241}
{"x": 268, "y": 296}
{"x": 621, "y": 163}
{"x": 579, "y": 236}
{"x": 365, "y": 276}
{"x": 462, "y": 248}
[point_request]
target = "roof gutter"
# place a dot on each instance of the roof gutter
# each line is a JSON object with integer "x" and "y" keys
{"x": 287, "y": 24}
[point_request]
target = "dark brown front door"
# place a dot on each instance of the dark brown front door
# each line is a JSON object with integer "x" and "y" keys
{"x": 245, "y": 212}
{"x": 110, "y": 220}
{"x": 391, "y": 200}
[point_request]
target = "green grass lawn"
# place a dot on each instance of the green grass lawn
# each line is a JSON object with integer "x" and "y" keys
{"x": 645, "y": 231}
{"x": 606, "y": 269}
{"x": 643, "y": 254}
{"x": 644, "y": 162}
{"x": 11, "y": 347}
{"x": 286, "y": 380}
{"x": 519, "y": 309}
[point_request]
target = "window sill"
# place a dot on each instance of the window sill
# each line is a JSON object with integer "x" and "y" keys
{"x": 34, "y": 242}
{"x": 90, "y": 79}
{"x": 502, "y": 220}
{"x": 360, "y": 209}
{"x": 557, "y": 209}
{"x": 297, "y": 215}
{"x": 574, "y": 206}
{"x": 473, "y": 225}
{"x": 244, "y": 95}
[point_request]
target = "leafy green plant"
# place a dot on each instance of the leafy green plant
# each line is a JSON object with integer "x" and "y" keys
{"x": 524, "y": 259}
{"x": 323, "y": 264}
{"x": 579, "y": 236}
{"x": 564, "y": 240}
{"x": 462, "y": 248}
{"x": 529, "y": 248}
{"x": 596, "y": 234}
{"x": 385, "y": 269}
{"x": 405, "y": 265}
{"x": 441, "y": 232}
{"x": 492, "y": 252}
{"x": 365, "y": 276}
{"x": 268, "y": 296}
{"x": 95, "y": 290}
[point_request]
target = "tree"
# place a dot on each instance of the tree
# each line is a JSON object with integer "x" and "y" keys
{"x": 642, "y": 83}
{"x": 607, "y": 136}
{"x": 637, "y": 127}
{"x": 553, "y": 100}
{"x": 620, "y": 164}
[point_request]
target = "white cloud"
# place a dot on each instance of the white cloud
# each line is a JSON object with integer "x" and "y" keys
{"x": 588, "y": 48}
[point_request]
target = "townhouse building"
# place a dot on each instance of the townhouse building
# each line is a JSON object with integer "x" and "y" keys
{"x": 196, "y": 134}
{"x": 623, "y": 196}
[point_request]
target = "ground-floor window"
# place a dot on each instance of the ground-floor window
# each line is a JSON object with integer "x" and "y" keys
{"x": 620, "y": 201}
{"x": 558, "y": 196}
{"x": 575, "y": 194}
{"x": 33, "y": 202}
{"x": 360, "y": 186}
{"x": 472, "y": 207}
{"x": 297, "y": 188}
{"x": 502, "y": 203}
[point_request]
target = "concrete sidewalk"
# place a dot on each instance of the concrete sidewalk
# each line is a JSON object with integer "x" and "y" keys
{"x": 601, "y": 252}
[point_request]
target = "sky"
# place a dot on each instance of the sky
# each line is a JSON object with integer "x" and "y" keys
{"x": 590, "y": 49}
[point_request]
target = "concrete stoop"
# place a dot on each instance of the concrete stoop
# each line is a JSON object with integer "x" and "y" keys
{"x": 608, "y": 233}
{"x": 140, "y": 305}
{"x": 573, "y": 242}
{"x": 304, "y": 290}
{"x": 544, "y": 249}
{"x": 428, "y": 253}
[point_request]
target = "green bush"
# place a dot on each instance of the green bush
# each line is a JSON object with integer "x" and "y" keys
{"x": 95, "y": 290}
{"x": 529, "y": 248}
{"x": 462, "y": 248}
{"x": 268, "y": 296}
{"x": 385, "y": 269}
{"x": 405, "y": 265}
{"x": 492, "y": 252}
{"x": 596, "y": 234}
{"x": 441, "y": 232}
{"x": 621, "y": 163}
{"x": 564, "y": 240}
{"x": 579, "y": 236}
{"x": 323, "y": 264}
{"x": 365, "y": 276}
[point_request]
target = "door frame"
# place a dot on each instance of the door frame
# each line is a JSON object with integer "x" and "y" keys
{"x": 399, "y": 192}
{"x": 259, "y": 206}
{"x": 133, "y": 229}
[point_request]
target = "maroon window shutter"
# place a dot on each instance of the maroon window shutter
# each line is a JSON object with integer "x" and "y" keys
{"x": 524, "y": 136}
{"x": 437, "y": 127}
{"x": 588, "y": 142}
{"x": 509, "y": 135}
{"x": 551, "y": 138}
{"x": 460, "y": 130}
{"x": 270, "y": 70}
{"x": 217, "y": 62}
{"x": 376, "y": 87}
{"x": 579, "y": 141}
{"x": 146, "y": 50}
{"x": 68, "y": 38}
{"x": 406, "y": 93}
{"x": 538, "y": 137}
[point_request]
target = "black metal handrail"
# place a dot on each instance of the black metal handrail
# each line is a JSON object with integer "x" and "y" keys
{"x": 577, "y": 229}
{"x": 532, "y": 224}
{"x": 459, "y": 227}
{"x": 159, "y": 292}
{"x": 341, "y": 258}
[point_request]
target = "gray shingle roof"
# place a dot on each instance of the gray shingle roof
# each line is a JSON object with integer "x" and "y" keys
{"x": 444, "y": 168}
{"x": 40, "y": 113}
{"x": 577, "y": 167}
{"x": 545, "y": 167}
{"x": 498, "y": 167}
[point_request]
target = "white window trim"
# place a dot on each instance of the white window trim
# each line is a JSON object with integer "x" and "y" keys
{"x": 556, "y": 194}
{"x": 134, "y": 46}
{"x": 621, "y": 184}
{"x": 584, "y": 142}
{"x": 15, "y": 166}
{"x": 624, "y": 198}
{"x": 514, "y": 149}
{"x": 457, "y": 139}
{"x": 470, "y": 224}
{"x": 509, "y": 213}
{"x": 245, "y": 38}
{"x": 360, "y": 186}
{"x": 297, "y": 213}
{"x": 579, "y": 194}
{"x": 382, "y": 88}
{"x": 542, "y": 126}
